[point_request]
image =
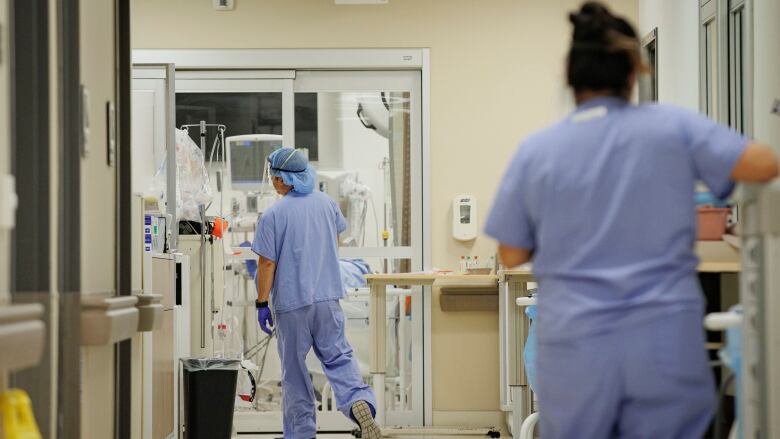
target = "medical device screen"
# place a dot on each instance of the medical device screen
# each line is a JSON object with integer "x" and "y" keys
{"x": 247, "y": 160}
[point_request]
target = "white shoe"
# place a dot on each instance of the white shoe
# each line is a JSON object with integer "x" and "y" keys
{"x": 368, "y": 427}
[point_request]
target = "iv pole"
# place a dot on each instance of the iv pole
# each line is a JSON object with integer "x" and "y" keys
{"x": 221, "y": 128}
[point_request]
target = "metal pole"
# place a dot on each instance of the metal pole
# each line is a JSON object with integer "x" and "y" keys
{"x": 203, "y": 278}
{"x": 203, "y": 251}
{"x": 170, "y": 144}
{"x": 222, "y": 174}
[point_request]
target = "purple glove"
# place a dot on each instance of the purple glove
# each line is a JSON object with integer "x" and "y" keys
{"x": 264, "y": 317}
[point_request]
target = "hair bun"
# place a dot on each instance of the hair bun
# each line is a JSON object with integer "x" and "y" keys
{"x": 591, "y": 23}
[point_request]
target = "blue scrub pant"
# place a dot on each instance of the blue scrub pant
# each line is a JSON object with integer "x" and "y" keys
{"x": 319, "y": 326}
{"x": 647, "y": 381}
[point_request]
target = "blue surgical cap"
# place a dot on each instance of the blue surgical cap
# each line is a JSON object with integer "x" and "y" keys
{"x": 294, "y": 169}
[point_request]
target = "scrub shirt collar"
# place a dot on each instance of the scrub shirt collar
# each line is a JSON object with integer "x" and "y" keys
{"x": 606, "y": 101}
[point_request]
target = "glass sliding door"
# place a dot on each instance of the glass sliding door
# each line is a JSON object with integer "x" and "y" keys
{"x": 362, "y": 132}
{"x": 369, "y": 159}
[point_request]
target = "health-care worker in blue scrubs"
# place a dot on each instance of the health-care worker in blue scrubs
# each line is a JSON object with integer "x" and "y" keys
{"x": 602, "y": 203}
{"x": 298, "y": 272}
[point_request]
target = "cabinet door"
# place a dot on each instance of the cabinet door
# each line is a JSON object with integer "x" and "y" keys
{"x": 162, "y": 377}
{"x": 99, "y": 204}
{"x": 164, "y": 281}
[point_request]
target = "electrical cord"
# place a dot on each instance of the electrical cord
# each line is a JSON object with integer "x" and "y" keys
{"x": 376, "y": 219}
{"x": 214, "y": 147}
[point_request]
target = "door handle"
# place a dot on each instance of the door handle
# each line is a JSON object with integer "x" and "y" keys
{"x": 9, "y": 202}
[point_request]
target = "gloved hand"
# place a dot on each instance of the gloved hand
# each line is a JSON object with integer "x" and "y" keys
{"x": 265, "y": 318}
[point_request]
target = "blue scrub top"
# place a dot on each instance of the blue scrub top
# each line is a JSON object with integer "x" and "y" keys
{"x": 605, "y": 199}
{"x": 299, "y": 233}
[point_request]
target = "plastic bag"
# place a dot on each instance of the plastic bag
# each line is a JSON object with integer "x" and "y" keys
{"x": 529, "y": 353}
{"x": 197, "y": 364}
{"x": 731, "y": 355}
{"x": 228, "y": 342}
{"x": 193, "y": 187}
{"x": 246, "y": 386}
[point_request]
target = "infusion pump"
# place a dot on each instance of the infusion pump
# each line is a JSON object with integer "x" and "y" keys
{"x": 464, "y": 218}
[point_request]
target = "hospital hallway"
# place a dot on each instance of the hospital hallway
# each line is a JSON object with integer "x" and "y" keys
{"x": 443, "y": 219}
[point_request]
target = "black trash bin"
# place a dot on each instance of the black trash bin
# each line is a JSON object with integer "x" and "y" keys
{"x": 209, "y": 397}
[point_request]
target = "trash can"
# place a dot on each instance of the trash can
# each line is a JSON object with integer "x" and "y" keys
{"x": 209, "y": 387}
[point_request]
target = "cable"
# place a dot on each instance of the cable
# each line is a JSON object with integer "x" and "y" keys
{"x": 256, "y": 348}
{"x": 262, "y": 363}
{"x": 363, "y": 217}
{"x": 376, "y": 219}
{"x": 213, "y": 148}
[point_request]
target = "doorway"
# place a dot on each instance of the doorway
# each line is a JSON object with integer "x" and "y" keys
{"x": 362, "y": 130}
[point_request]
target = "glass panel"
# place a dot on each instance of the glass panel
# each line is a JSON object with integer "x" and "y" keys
{"x": 711, "y": 64}
{"x": 739, "y": 68}
{"x": 241, "y": 113}
{"x": 736, "y": 68}
{"x": 363, "y": 162}
{"x": 306, "y": 124}
{"x": 648, "y": 83}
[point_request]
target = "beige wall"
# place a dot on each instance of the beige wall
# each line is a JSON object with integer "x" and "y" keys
{"x": 496, "y": 76}
{"x": 496, "y": 71}
{"x": 678, "y": 48}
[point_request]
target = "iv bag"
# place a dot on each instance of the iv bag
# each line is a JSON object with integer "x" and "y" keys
{"x": 193, "y": 188}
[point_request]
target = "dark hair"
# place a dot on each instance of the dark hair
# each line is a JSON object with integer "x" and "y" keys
{"x": 604, "y": 51}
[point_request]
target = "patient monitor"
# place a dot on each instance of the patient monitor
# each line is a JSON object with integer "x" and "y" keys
{"x": 247, "y": 156}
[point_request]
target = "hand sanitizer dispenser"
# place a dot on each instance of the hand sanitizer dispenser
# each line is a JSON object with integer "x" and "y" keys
{"x": 464, "y": 218}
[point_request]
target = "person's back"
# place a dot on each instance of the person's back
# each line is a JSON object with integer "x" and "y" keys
{"x": 614, "y": 202}
{"x": 304, "y": 230}
{"x": 298, "y": 269}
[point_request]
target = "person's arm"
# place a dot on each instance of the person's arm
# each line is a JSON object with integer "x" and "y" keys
{"x": 723, "y": 157}
{"x": 510, "y": 221}
{"x": 266, "y": 269}
{"x": 512, "y": 257}
{"x": 757, "y": 164}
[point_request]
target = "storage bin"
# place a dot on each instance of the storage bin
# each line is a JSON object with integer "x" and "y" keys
{"x": 712, "y": 223}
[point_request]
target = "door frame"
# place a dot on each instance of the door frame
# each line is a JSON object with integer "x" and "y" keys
{"x": 32, "y": 272}
{"x": 124, "y": 228}
{"x": 69, "y": 220}
{"x": 7, "y": 189}
{"x": 416, "y": 59}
